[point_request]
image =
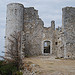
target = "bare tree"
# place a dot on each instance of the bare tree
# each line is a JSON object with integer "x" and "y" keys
{"x": 14, "y": 50}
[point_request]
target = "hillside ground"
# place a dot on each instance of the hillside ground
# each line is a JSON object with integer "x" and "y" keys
{"x": 47, "y": 65}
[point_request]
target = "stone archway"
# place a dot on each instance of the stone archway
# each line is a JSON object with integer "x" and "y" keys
{"x": 47, "y": 47}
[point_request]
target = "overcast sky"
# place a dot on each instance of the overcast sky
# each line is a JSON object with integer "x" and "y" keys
{"x": 48, "y": 10}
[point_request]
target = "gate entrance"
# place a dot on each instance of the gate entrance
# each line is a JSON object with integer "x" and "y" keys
{"x": 46, "y": 46}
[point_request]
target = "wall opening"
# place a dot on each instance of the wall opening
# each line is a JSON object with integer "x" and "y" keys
{"x": 56, "y": 43}
{"x": 46, "y": 46}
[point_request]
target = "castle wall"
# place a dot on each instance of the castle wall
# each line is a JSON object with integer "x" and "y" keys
{"x": 14, "y": 20}
{"x": 68, "y": 24}
{"x": 60, "y": 45}
{"x": 49, "y": 35}
{"x": 33, "y": 27}
{"x": 33, "y": 32}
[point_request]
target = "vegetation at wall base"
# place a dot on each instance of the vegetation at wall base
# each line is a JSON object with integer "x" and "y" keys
{"x": 7, "y": 68}
{"x": 12, "y": 63}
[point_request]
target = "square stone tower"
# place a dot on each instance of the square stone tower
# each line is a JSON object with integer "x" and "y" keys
{"x": 68, "y": 24}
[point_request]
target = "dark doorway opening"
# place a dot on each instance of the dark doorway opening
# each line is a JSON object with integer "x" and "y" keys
{"x": 46, "y": 46}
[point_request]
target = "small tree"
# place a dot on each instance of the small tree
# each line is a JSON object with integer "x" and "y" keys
{"x": 13, "y": 53}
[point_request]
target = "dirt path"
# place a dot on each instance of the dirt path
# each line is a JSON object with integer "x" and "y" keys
{"x": 47, "y": 65}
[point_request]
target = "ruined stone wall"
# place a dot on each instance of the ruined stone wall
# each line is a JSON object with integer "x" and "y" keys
{"x": 60, "y": 45}
{"x": 33, "y": 28}
{"x": 27, "y": 21}
{"x": 33, "y": 32}
{"x": 56, "y": 40}
{"x": 49, "y": 35}
{"x": 68, "y": 24}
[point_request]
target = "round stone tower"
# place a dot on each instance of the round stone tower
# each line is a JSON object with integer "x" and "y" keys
{"x": 14, "y": 20}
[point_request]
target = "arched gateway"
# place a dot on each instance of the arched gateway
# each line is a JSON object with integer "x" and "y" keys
{"x": 47, "y": 47}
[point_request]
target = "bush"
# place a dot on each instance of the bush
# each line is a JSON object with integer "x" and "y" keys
{"x": 19, "y": 73}
{"x": 7, "y": 68}
{"x": 1, "y": 62}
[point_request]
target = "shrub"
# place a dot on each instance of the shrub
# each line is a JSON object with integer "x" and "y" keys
{"x": 7, "y": 68}
{"x": 19, "y": 73}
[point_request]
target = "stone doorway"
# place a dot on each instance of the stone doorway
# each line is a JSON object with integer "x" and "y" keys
{"x": 46, "y": 46}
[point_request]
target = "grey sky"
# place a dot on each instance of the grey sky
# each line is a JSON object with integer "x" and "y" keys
{"x": 48, "y": 10}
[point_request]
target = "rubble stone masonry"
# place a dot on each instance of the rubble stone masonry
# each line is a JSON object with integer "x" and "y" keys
{"x": 34, "y": 34}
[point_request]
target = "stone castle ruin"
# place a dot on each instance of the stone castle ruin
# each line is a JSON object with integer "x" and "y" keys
{"x": 37, "y": 39}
